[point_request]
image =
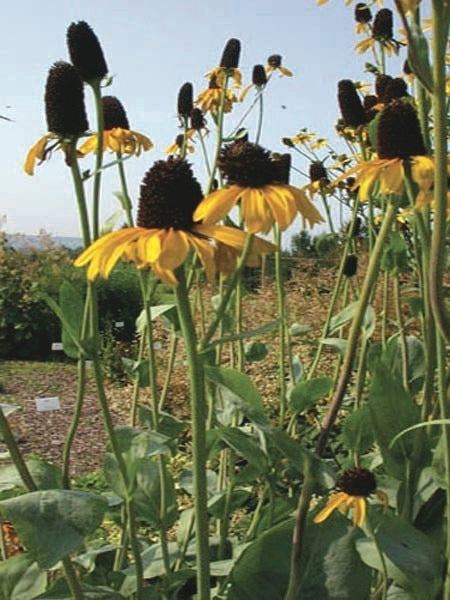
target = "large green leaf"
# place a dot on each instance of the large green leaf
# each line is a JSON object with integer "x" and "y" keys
{"x": 393, "y": 410}
{"x": 330, "y": 565}
{"x": 53, "y": 523}
{"x": 21, "y": 578}
{"x": 305, "y": 394}
{"x": 412, "y": 559}
{"x": 72, "y": 310}
{"x": 147, "y": 495}
{"x": 45, "y": 475}
{"x": 243, "y": 445}
{"x": 248, "y": 398}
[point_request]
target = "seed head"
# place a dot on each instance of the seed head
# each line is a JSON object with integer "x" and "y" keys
{"x": 247, "y": 165}
{"x": 350, "y": 265}
{"x": 114, "y": 114}
{"x": 398, "y": 133}
{"x": 185, "y": 100}
{"x": 169, "y": 195}
{"x": 350, "y": 104}
{"x": 64, "y": 101}
{"x": 362, "y": 13}
{"x": 85, "y": 52}
{"x": 259, "y": 77}
{"x": 383, "y": 25}
{"x": 230, "y": 55}
{"x": 357, "y": 482}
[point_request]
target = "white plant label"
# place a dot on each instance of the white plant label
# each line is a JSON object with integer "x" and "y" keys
{"x": 119, "y": 324}
{"x": 44, "y": 404}
{"x": 57, "y": 346}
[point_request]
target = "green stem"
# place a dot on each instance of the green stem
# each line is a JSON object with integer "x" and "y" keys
{"x": 198, "y": 417}
{"x": 80, "y": 196}
{"x": 170, "y": 364}
{"x": 282, "y": 333}
{"x": 401, "y": 331}
{"x": 384, "y": 572}
{"x": 298, "y": 534}
{"x": 219, "y": 136}
{"x": 260, "y": 118}
{"x": 227, "y": 295}
{"x": 355, "y": 330}
{"x": 440, "y": 20}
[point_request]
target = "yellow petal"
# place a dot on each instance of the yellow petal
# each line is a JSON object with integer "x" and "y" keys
{"x": 217, "y": 205}
{"x": 359, "y": 508}
{"x": 36, "y": 152}
{"x": 333, "y": 503}
{"x": 282, "y": 204}
{"x": 205, "y": 252}
{"x": 174, "y": 248}
{"x": 255, "y": 212}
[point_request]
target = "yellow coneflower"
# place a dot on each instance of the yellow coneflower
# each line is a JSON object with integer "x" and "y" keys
{"x": 228, "y": 65}
{"x": 210, "y": 99}
{"x": 255, "y": 182}
{"x": 259, "y": 80}
{"x": 166, "y": 229}
{"x": 274, "y": 64}
{"x": 363, "y": 16}
{"x": 117, "y": 135}
{"x": 382, "y": 32}
{"x": 65, "y": 113}
{"x": 356, "y": 486}
{"x": 85, "y": 52}
{"x": 399, "y": 140}
{"x": 180, "y": 141}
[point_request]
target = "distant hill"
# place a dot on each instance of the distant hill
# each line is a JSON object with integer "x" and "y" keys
{"x": 21, "y": 241}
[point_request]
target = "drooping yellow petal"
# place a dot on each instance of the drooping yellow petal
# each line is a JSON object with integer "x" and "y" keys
{"x": 217, "y": 205}
{"x": 422, "y": 171}
{"x": 333, "y": 503}
{"x": 306, "y": 208}
{"x": 36, "y": 152}
{"x": 359, "y": 511}
{"x": 255, "y": 213}
{"x": 174, "y": 249}
{"x": 165, "y": 275}
{"x": 281, "y": 205}
{"x": 148, "y": 246}
{"x": 205, "y": 252}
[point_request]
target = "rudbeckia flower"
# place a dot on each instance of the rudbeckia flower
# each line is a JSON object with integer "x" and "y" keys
{"x": 228, "y": 65}
{"x": 176, "y": 147}
{"x": 166, "y": 230}
{"x": 382, "y": 32}
{"x": 210, "y": 99}
{"x": 259, "y": 80}
{"x": 274, "y": 64}
{"x": 254, "y": 181}
{"x": 399, "y": 140}
{"x": 65, "y": 113}
{"x": 117, "y": 135}
{"x": 356, "y": 486}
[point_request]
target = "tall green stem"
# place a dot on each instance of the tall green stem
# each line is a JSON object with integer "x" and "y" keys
{"x": 440, "y": 20}
{"x": 96, "y": 89}
{"x": 198, "y": 417}
{"x": 355, "y": 330}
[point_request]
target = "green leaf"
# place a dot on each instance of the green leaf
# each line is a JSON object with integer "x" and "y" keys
{"x": 73, "y": 338}
{"x": 297, "y": 368}
{"x": 60, "y": 591}
{"x": 412, "y": 560}
{"x": 299, "y": 329}
{"x": 392, "y": 410}
{"x": 9, "y": 409}
{"x": 147, "y": 495}
{"x": 357, "y": 433}
{"x": 306, "y": 393}
{"x": 330, "y": 566}
{"x": 135, "y": 445}
{"x": 168, "y": 311}
{"x": 21, "y": 578}
{"x": 338, "y": 344}
{"x": 247, "y": 397}
{"x": 108, "y": 225}
{"x": 347, "y": 314}
{"x": 72, "y": 310}
{"x": 243, "y": 445}
{"x": 53, "y": 523}
{"x": 422, "y": 70}
{"x": 218, "y": 503}
{"x": 255, "y": 351}
{"x": 45, "y": 475}
{"x": 246, "y": 334}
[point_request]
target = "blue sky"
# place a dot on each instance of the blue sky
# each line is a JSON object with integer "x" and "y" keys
{"x": 151, "y": 49}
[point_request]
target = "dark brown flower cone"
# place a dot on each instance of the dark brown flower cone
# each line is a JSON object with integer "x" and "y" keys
{"x": 381, "y": 83}
{"x": 362, "y": 13}
{"x": 357, "y": 482}
{"x": 64, "y": 101}
{"x": 282, "y": 166}
{"x": 85, "y": 52}
{"x": 169, "y": 195}
{"x": 259, "y": 76}
{"x": 317, "y": 171}
{"x": 396, "y": 88}
{"x": 185, "y": 100}
{"x": 197, "y": 119}
{"x": 114, "y": 114}
{"x": 246, "y": 164}
{"x": 231, "y": 53}
{"x": 383, "y": 25}
{"x": 350, "y": 265}
{"x": 350, "y": 104}
{"x": 399, "y": 134}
